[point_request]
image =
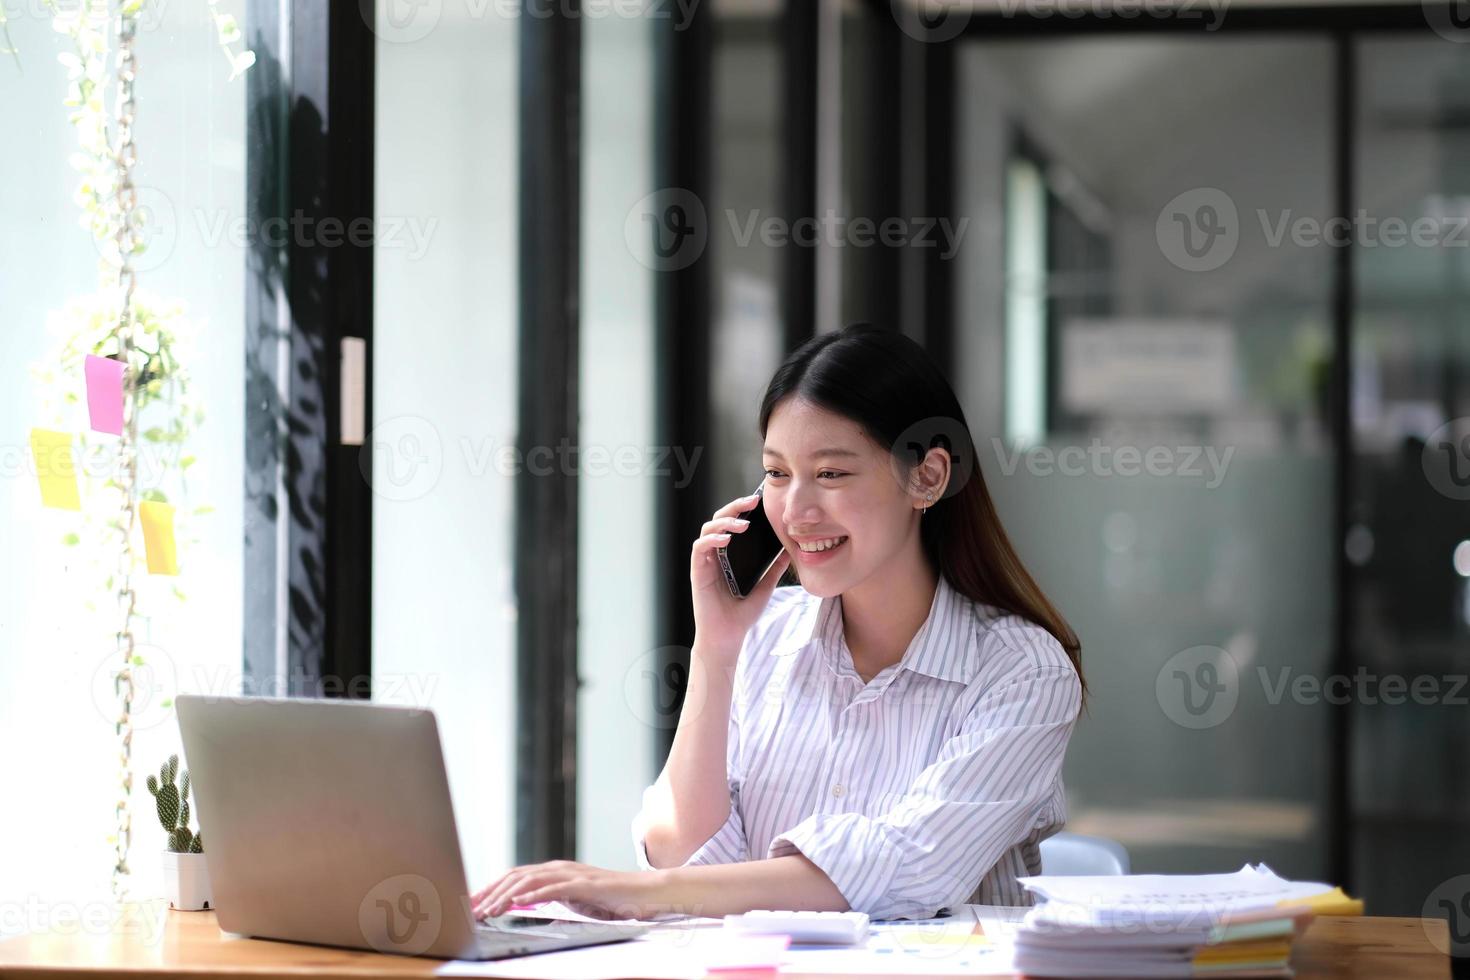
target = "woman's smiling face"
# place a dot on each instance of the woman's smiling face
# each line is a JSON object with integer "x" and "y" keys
{"x": 835, "y": 497}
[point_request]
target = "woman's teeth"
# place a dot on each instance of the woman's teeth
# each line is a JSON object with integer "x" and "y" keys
{"x": 821, "y": 545}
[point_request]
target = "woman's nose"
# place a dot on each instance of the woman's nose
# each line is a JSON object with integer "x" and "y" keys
{"x": 799, "y": 507}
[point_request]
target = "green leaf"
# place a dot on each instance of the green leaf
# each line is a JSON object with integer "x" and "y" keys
{"x": 229, "y": 30}
{"x": 157, "y": 495}
{"x": 168, "y": 805}
{"x": 137, "y": 660}
{"x": 71, "y": 540}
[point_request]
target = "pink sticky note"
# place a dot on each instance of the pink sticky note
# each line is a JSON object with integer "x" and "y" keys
{"x": 105, "y": 394}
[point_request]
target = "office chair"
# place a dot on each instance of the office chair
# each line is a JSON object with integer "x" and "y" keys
{"x": 1078, "y": 854}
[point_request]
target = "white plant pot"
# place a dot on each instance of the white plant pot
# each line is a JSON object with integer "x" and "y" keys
{"x": 186, "y": 881}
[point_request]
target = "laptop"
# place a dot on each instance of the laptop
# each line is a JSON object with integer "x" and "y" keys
{"x": 330, "y": 822}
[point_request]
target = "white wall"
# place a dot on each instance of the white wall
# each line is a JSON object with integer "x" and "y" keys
{"x": 444, "y": 402}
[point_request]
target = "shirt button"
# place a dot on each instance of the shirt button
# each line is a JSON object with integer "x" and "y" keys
{"x": 838, "y": 790}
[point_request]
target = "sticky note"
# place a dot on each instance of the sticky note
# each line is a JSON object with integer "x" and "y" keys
{"x": 745, "y": 953}
{"x": 105, "y": 394}
{"x": 56, "y": 469}
{"x": 158, "y": 537}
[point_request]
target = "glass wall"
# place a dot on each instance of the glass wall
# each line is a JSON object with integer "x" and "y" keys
{"x": 620, "y": 466}
{"x": 444, "y": 399}
{"x": 59, "y": 611}
{"x": 747, "y": 340}
{"x": 1142, "y": 358}
{"x": 1410, "y": 540}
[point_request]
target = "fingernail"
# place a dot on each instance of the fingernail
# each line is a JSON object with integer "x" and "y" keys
{"x": 742, "y": 522}
{"x": 722, "y": 537}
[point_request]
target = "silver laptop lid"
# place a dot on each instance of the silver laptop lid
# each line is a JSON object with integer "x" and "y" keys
{"x": 328, "y": 822}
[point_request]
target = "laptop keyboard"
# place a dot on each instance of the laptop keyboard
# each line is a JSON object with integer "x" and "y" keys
{"x": 492, "y": 938}
{"x": 515, "y": 936}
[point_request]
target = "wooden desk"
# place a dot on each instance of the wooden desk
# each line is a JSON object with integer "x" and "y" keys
{"x": 147, "y": 941}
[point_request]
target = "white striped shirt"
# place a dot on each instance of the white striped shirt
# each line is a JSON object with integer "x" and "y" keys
{"x": 928, "y": 786}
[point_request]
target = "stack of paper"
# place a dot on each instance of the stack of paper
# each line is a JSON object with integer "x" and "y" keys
{"x": 1223, "y": 925}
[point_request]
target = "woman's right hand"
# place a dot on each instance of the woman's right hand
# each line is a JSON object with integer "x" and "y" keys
{"x": 720, "y": 619}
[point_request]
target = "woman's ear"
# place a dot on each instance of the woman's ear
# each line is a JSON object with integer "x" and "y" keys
{"x": 930, "y": 478}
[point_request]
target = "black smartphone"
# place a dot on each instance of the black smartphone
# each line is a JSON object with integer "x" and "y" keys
{"x": 751, "y": 552}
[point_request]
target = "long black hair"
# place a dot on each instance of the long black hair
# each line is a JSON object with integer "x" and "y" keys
{"x": 887, "y": 384}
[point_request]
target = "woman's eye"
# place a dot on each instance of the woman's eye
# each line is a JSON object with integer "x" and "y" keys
{"x": 829, "y": 475}
{"x": 772, "y": 474}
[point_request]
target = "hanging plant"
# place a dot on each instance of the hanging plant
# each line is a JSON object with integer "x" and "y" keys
{"x": 120, "y": 322}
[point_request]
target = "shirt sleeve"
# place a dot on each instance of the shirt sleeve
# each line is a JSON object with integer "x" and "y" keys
{"x": 988, "y": 788}
{"x": 727, "y": 845}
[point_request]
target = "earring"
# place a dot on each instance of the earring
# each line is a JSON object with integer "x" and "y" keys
{"x": 928, "y": 500}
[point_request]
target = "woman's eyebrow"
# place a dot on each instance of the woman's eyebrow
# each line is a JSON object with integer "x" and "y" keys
{"x": 819, "y": 454}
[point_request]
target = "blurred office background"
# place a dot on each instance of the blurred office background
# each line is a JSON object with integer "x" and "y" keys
{"x": 581, "y": 274}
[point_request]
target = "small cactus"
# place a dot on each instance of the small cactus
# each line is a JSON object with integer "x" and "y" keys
{"x": 173, "y": 807}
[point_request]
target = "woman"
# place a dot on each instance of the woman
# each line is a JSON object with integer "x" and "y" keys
{"x": 886, "y": 737}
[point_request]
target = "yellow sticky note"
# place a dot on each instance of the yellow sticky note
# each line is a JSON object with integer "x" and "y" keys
{"x": 1334, "y": 902}
{"x": 158, "y": 537}
{"x": 56, "y": 469}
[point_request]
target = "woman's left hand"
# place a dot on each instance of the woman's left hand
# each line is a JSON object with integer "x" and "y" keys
{"x": 621, "y": 894}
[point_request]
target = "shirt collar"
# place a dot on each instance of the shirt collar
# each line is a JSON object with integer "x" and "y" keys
{"x": 940, "y": 648}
